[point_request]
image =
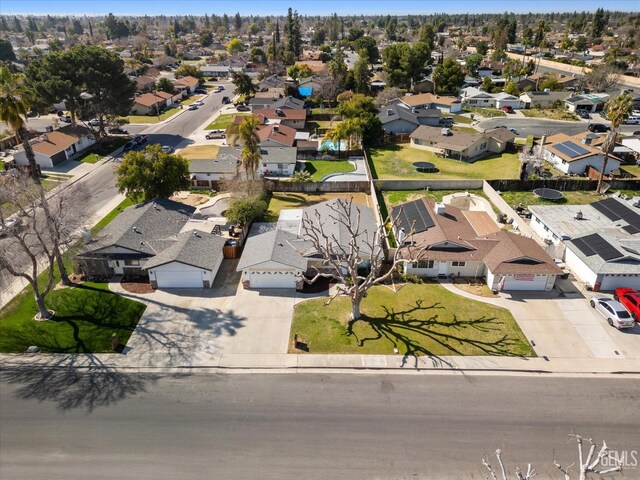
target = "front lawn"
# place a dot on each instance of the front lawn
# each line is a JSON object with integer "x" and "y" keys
{"x": 107, "y": 147}
{"x": 550, "y": 113}
{"x": 632, "y": 169}
{"x": 86, "y": 317}
{"x": 321, "y": 168}
{"x": 199, "y": 152}
{"x": 396, "y": 162}
{"x": 461, "y": 119}
{"x": 169, "y": 112}
{"x": 282, "y": 200}
{"x": 111, "y": 215}
{"x": 223, "y": 121}
{"x": 88, "y": 157}
{"x": 417, "y": 320}
{"x": 487, "y": 112}
{"x": 191, "y": 99}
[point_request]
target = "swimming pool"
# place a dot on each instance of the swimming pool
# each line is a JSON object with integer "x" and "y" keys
{"x": 333, "y": 146}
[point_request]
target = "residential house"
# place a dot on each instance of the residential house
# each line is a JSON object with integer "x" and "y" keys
{"x": 451, "y": 242}
{"x": 490, "y": 69}
{"x": 165, "y": 62}
{"x": 271, "y": 94}
{"x": 397, "y": 118}
{"x": 219, "y": 71}
{"x": 273, "y": 103}
{"x": 207, "y": 173}
{"x": 279, "y": 255}
{"x": 316, "y": 66}
{"x": 474, "y": 97}
{"x": 573, "y": 155}
{"x": 461, "y": 145}
{"x": 153, "y": 103}
{"x": 144, "y": 83}
{"x": 277, "y": 161}
{"x": 446, "y": 104}
{"x": 586, "y": 102}
{"x": 57, "y": 146}
{"x": 294, "y": 118}
{"x": 306, "y": 86}
{"x": 186, "y": 84}
{"x": 273, "y": 81}
{"x": 543, "y": 99}
{"x": 275, "y": 135}
{"x": 599, "y": 242}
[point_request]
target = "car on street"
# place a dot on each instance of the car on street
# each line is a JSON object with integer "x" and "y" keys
{"x": 218, "y": 89}
{"x": 598, "y": 128}
{"x": 199, "y": 103}
{"x": 512, "y": 130}
{"x": 118, "y": 131}
{"x": 94, "y": 122}
{"x": 8, "y": 225}
{"x": 129, "y": 146}
{"x": 167, "y": 149}
{"x": 193, "y": 107}
{"x": 226, "y": 100}
{"x": 214, "y": 134}
{"x": 636, "y": 133}
{"x": 200, "y": 91}
{"x": 507, "y": 109}
{"x": 615, "y": 313}
{"x": 140, "y": 139}
{"x": 630, "y": 299}
{"x": 583, "y": 114}
{"x": 243, "y": 108}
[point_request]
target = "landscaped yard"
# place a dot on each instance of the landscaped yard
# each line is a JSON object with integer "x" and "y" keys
{"x": 570, "y": 198}
{"x": 223, "y": 121}
{"x": 86, "y": 317}
{"x": 396, "y": 197}
{"x": 169, "y": 112}
{"x": 486, "y": 111}
{"x": 461, "y": 119}
{"x": 107, "y": 147}
{"x": 191, "y": 99}
{"x": 632, "y": 169}
{"x": 417, "y": 319}
{"x": 550, "y": 113}
{"x": 199, "y": 152}
{"x": 321, "y": 168}
{"x": 464, "y": 129}
{"x": 111, "y": 215}
{"x": 281, "y": 200}
{"x": 396, "y": 162}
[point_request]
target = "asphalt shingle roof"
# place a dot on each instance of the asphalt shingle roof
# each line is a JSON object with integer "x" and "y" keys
{"x": 195, "y": 248}
{"x": 272, "y": 246}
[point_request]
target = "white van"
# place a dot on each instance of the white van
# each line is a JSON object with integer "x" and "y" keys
{"x": 633, "y": 119}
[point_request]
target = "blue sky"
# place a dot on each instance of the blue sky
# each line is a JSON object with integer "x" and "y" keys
{"x": 308, "y": 7}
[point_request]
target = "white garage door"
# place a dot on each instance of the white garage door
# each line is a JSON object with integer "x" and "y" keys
{"x": 181, "y": 279}
{"x": 282, "y": 279}
{"x": 611, "y": 282}
{"x": 525, "y": 282}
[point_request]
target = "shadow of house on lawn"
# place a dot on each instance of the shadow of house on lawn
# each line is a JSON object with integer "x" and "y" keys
{"x": 413, "y": 337}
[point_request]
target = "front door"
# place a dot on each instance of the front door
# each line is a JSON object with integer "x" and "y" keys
{"x": 117, "y": 268}
{"x": 443, "y": 268}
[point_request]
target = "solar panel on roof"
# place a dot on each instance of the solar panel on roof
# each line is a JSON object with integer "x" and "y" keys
{"x": 583, "y": 247}
{"x": 631, "y": 230}
{"x": 615, "y": 210}
{"x": 414, "y": 214}
{"x": 571, "y": 149}
{"x": 601, "y": 247}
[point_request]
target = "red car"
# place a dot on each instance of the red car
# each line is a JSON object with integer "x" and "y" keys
{"x": 630, "y": 299}
{"x": 507, "y": 109}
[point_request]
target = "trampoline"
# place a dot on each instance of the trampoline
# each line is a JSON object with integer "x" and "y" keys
{"x": 548, "y": 194}
{"x": 425, "y": 167}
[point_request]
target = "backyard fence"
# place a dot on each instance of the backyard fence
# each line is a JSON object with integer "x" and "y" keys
{"x": 562, "y": 184}
{"x": 317, "y": 187}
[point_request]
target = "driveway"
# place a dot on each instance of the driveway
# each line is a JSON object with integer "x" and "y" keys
{"x": 190, "y": 327}
{"x": 358, "y": 175}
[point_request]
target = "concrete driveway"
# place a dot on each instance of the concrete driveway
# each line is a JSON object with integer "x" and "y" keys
{"x": 190, "y": 327}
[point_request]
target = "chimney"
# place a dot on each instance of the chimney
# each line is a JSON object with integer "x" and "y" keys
{"x": 276, "y": 128}
{"x": 579, "y": 215}
{"x": 389, "y": 111}
{"x": 439, "y": 208}
{"x": 414, "y": 110}
{"x": 401, "y": 236}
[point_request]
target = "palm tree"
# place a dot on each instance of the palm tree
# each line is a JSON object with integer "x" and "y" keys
{"x": 14, "y": 105}
{"x": 13, "y": 111}
{"x": 618, "y": 110}
{"x": 250, "y": 153}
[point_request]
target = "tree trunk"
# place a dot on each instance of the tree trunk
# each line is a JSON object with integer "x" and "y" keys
{"x": 355, "y": 308}
{"x": 601, "y": 176}
{"x": 23, "y": 136}
{"x": 64, "y": 275}
{"x": 42, "y": 308}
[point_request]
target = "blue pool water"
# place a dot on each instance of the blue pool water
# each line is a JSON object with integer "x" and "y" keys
{"x": 333, "y": 147}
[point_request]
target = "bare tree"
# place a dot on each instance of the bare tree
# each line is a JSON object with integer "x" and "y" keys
{"x": 531, "y": 472}
{"x": 347, "y": 241}
{"x": 387, "y": 95}
{"x": 590, "y": 464}
{"x": 599, "y": 79}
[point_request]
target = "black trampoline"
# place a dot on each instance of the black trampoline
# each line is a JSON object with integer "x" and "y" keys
{"x": 425, "y": 167}
{"x": 548, "y": 194}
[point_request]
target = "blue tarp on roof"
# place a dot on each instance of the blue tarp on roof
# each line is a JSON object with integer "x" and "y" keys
{"x": 305, "y": 91}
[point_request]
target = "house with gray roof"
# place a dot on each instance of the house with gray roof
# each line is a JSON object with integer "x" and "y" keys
{"x": 461, "y": 145}
{"x": 543, "y": 99}
{"x": 207, "y": 172}
{"x": 278, "y": 255}
{"x": 397, "y": 118}
{"x": 273, "y": 103}
{"x": 191, "y": 261}
{"x": 150, "y": 233}
{"x": 278, "y": 161}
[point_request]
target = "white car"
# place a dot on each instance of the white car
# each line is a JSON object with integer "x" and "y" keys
{"x": 193, "y": 106}
{"x": 218, "y": 89}
{"x": 615, "y": 313}
{"x": 198, "y": 103}
{"x": 167, "y": 149}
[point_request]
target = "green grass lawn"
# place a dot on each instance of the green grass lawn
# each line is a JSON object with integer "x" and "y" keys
{"x": 108, "y": 146}
{"x": 396, "y": 162}
{"x": 169, "y": 112}
{"x": 396, "y": 197}
{"x": 486, "y": 111}
{"x": 111, "y": 215}
{"x": 464, "y": 129}
{"x": 417, "y": 319}
{"x": 281, "y": 200}
{"x": 321, "y": 168}
{"x": 191, "y": 99}
{"x": 461, "y": 119}
{"x": 88, "y": 157}
{"x": 86, "y": 317}
{"x": 223, "y": 121}
{"x": 550, "y": 113}
{"x": 632, "y": 169}
{"x": 570, "y": 198}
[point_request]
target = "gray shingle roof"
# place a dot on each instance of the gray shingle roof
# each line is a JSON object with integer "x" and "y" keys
{"x": 272, "y": 246}
{"x": 195, "y": 248}
{"x": 627, "y": 263}
{"x": 394, "y": 112}
{"x": 268, "y": 103}
{"x": 156, "y": 222}
{"x": 225, "y": 162}
{"x": 278, "y": 155}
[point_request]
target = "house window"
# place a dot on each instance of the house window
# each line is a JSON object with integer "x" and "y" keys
{"x": 484, "y": 145}
{"x": 281, "y": 166}
{"x": 458, "y": 264}
{"x": 423, "y": 264}
{"x": 132, "y": 263}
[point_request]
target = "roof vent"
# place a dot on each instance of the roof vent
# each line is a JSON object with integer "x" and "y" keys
{"x": 414, "y": 110}
{"x": 389, "y": 111}
{"x": 579, "y": 215}
{"x": 439, "y": 208}
{"x": 276, "y": 128}
{"x": 197, "y": 233}
{"x": 135, "y": 229}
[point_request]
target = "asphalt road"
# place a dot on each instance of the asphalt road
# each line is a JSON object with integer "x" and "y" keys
{"x": 541, "y": 126}
{"x": 304, "y": 426}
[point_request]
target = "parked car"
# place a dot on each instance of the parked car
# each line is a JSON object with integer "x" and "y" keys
{"x": 200, "y": 91}
{"x": 446, "y": 121}
{"x": 129, "y": 146}
{"x": 636, "y": 133}
{"x": 8, "y": 225}
{"x": 118, "y": 131}
{"x": 94, "y": 122}
{"x": 213, "y": 134}
{"x": 630, "y": 299}
{"x": 226, "y": 100}
{"x": 598, "y": 128}
{"x": 199, "y": 103}
{"x": 243, "y": 108}
{"x": 616, "y": 315}
{"x": 167, "y": 149}
{"x": 507, "y": 109}
{"x": 583, "y": 114}
{"x": 193, "y": 107}
{"x": 140, "y": 139}
{"x": 218, "y": 89}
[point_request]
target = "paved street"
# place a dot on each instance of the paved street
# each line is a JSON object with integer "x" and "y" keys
{"x": 74, "y": 425}
{"x": 540, "y": 126}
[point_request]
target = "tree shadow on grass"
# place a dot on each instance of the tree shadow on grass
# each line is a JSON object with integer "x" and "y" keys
{"x": 412, "y": 335}
{"x": 73, "y": 381}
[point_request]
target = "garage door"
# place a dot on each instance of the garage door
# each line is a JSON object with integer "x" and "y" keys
{"x": 611, "y": 282}
{"x": 182, "y": 279}
{"x": 265, "y": 279}
{"x": 525, "y": 282}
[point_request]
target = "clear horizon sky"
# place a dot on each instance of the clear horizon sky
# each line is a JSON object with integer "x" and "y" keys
{"x": 304, "y": 7}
